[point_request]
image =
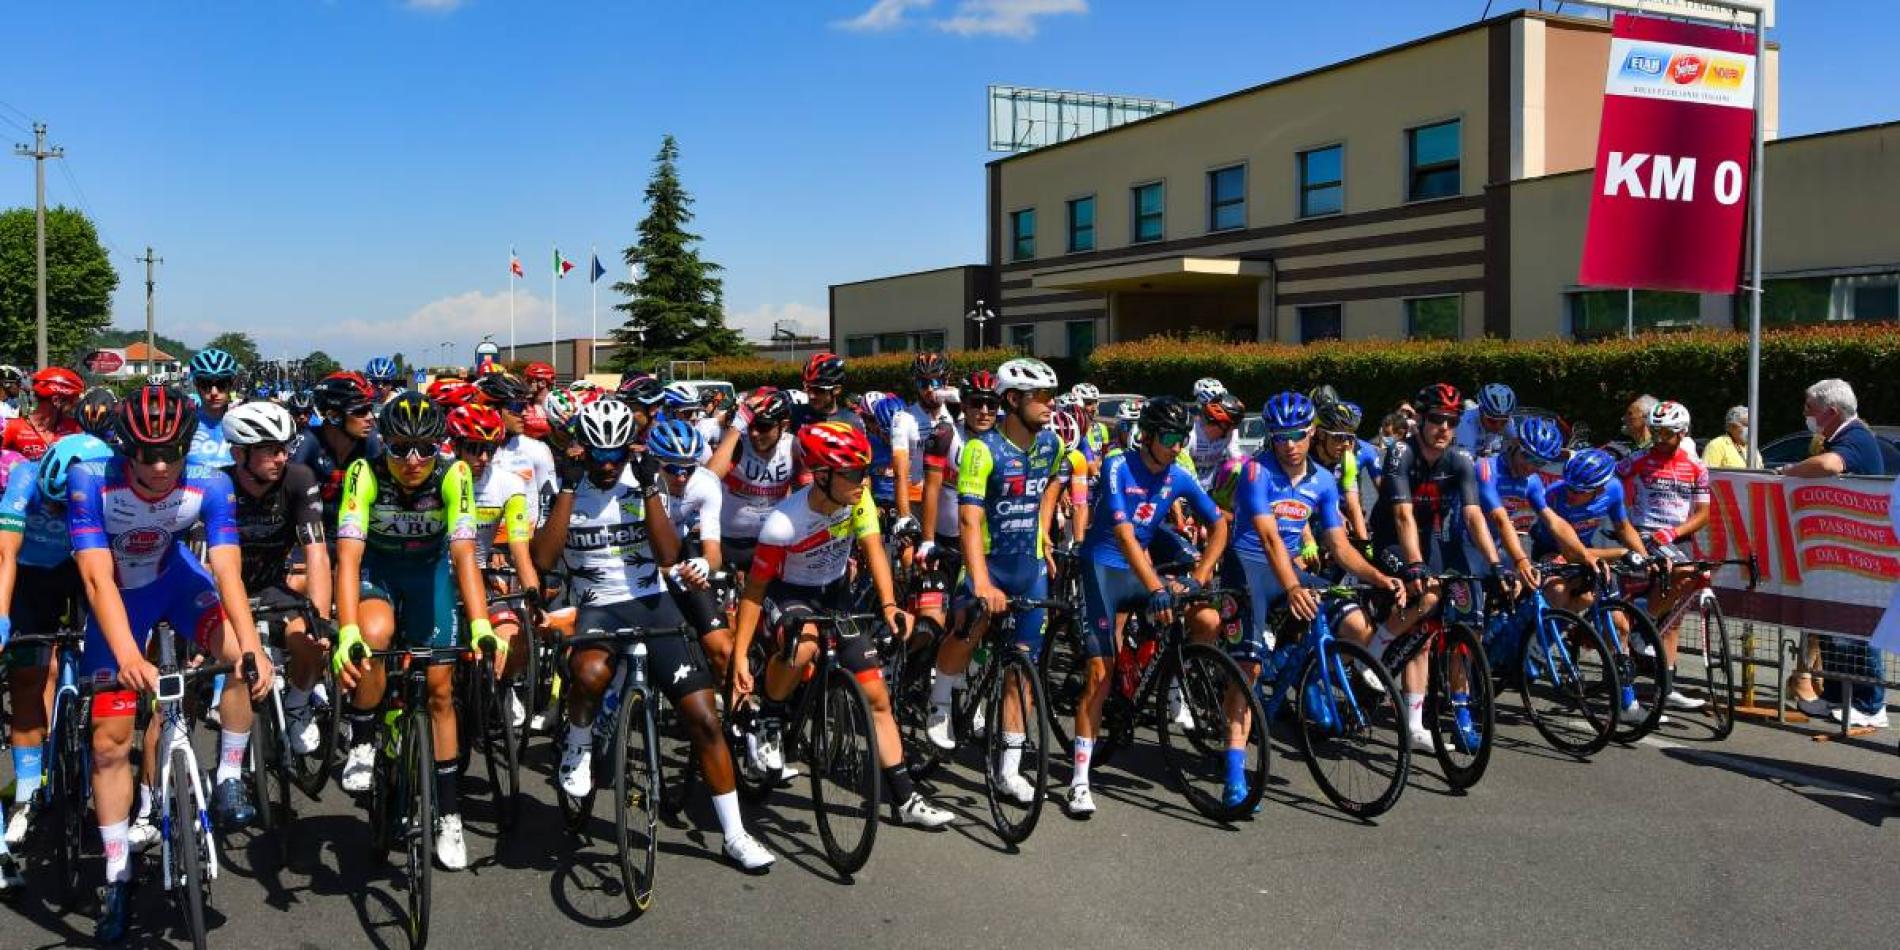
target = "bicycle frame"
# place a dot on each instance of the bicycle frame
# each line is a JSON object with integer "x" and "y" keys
{"x": 1273, "y": 695}
{"x": 174, "y": 745}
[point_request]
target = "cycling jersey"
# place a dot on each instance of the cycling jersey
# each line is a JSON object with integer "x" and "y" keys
{"x": 501, "y": 511}
{"x": 146, "y": 535}
{"x": 288, "y": 515}
{"x": 1008, "y": 483}
{"x": 608, "y": 552}
{"x": 1206, "y": 452}
{"x": 46, "y": 541}
{"x": 925, "y": 422}
{"x": 22, "y": 436}
{"x": 1595, "y": 520}
{"x": 1132, "y": 494}
{"x": 531, "y": 461}
{"x": 414, "y": 525}
{"x": 903, "y": 435}
{"x": 1095, "y": 441}
{"x": 698, "y": 507}
{"x": 1265, "y": 488}
{"x": 755, "y": 484}
{"x": 1521, "y": 498}
{"x": 1437, "y": 491}
{"x": 803, "y": 415}
{"x": 709, "y": 433}
{"x": 1473, "y": 437}
{"x": 802, "y": 547}
{"x": 943, "y": 451}
{"x": 1663, "y": 489}
{"x": 209, "y": 447}
{"x": 316, "y": 456}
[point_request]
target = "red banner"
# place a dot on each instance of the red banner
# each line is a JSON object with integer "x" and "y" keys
{"x": 1673, "y": 157}
{"x": 1825, "y": 549}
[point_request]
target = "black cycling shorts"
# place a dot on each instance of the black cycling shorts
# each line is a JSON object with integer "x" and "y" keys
{"x": 788, "y": 606}
{"x": 673, "y": 663}
{"x": 45, "y": 600}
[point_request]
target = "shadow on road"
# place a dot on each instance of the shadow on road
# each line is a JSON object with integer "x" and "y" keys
{"x": 1858, "y": 795}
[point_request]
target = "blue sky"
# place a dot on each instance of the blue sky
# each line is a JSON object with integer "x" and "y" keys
{"x": 350, "y": 174}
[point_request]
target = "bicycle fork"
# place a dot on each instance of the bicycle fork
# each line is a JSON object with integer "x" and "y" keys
{"x": 176, "y": 743}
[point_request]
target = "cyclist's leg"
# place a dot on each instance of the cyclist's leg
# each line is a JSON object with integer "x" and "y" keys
{"x": 701, "y": 612}
{"x": 113, "y": 711}
{"x": 788, "y": 612}
{"x": 1105, "y": 590}
{"x": 1022, "y": 580}
{"x": 41, "y": 597}
{"x": 858, "y": 656}
{"x": 194, "y": 611}
{"x": 953, "y": 655}
{"x": 376, "y": 616}
{"x": 688, "y": 685}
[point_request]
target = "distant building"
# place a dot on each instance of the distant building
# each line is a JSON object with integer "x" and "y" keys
{"x": 140, "y": 361}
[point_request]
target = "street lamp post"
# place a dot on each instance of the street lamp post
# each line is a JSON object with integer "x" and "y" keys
{"x": 445, "y": 355}
{"x": 980, "y": 315}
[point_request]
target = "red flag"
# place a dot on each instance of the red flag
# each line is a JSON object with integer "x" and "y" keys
{"x": 514, "y": 264}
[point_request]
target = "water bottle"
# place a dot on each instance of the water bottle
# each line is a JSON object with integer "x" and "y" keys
{"x": 391, "y": 735}
{"x": 609, "y": 705}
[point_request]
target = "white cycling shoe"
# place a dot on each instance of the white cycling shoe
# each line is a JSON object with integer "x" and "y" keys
{"x": 748, "y": 853}
{"x": 940, "y": 730}
{"x": 1015, "y": 787}
{"x": 918, "y": 812}
{"x": 1081, "y": 803}
{"x": 577, "y": 769}
{"x": 359, "y": 768}
{"x": 450, "y": 850}
{"x": 300, "y": 726}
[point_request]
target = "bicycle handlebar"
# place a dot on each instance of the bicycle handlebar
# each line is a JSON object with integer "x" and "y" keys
{"x": 621, "y": 634}
{"x": 67, "y": 638}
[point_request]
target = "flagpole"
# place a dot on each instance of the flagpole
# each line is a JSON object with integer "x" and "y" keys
{"x": 593, "y": 320}
{"x": 511, "y": 305}
{"x": 554, "y": 314}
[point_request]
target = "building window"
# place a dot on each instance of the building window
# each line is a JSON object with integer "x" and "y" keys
{"x": 860, "y": 345}
{"x": 1432, "y": 161}
{"x": 1082, "y": 224}
{"x": 1600, "y": 314}
{"x": 1434, "y": 318}
{"x": 1322, "y": 181}
{"x": 893, "y": 342}
{"x": 1022, "y": 337}
{"x": 1149, "y": 202}
{"x": 1022, "y": 228}
{"x": 1790, "y": 301}
{"x": 927, "y": 341}
{"x": 1081, "y": 335}
{"x": 1227, "y": 198}
{"x": 1319, "y": 323}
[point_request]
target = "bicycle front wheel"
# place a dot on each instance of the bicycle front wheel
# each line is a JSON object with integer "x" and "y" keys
{"x": 189, "y": 839}
{"x": 419, "y": 825}
{"x": 1063, "y": 666}
{"x": 1462, "y": 718}
{"x": 841, "y": 752}
{"x": 67, "y": 795}
{"x": 1639, "y": 668}
{"x": 1567, "y": 676}
{"x": 1355, "y": 740}
{"x": 1014, "y": 686}
{"x": 636, "y": 764}
{"x": 494, "y": 733}
{"x": 1720, "y": 667}
{"x": 1221, "y": 713}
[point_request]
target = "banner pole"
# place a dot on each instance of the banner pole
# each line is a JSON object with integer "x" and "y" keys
{"x": 511, "y": 305}
{"x": 1757, "y": 186}
{"x": 554, "y": 312}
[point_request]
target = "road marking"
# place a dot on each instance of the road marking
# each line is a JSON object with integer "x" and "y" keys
{"x": 1740, "y": 764}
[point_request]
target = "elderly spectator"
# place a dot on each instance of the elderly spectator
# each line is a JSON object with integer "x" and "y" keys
{"x": 1636, "y": 427}
{"x": 1848, "y": 447}
{"x": 1726, "y": 450}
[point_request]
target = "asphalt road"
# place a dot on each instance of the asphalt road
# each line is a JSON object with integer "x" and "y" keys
{"x": 1768, "y": 839}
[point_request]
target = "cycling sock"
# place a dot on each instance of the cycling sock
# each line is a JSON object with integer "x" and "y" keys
{"x": 898, "y": 778}
{"x": 944, "y": 685}
{"x": 118, "y": 848}
{"x": 727, "y": 808}
{"x": 231, "y": 754}
{"x": 1011, "y": 760}
{"x": 26, "y": 772}
{"x": 445, "y": 801}
{"x": 148, "y": 795}
{"x": 362, "y": 724}
{"x": 1415, "y": 711}
{"x": 1084, "y": 748}
{"x": 1381, "y": 638}
{"x": 580, "y": 736}
{"x": 1236, "y": 766}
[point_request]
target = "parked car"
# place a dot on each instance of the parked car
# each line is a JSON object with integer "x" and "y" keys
{"x": 1253, "y": 433}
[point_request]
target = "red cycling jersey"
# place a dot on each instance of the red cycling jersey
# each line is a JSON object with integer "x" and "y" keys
{"x": 1663, "y": 489}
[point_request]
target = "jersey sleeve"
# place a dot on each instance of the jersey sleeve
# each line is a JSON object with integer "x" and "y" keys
{"x": 1616, "y": 503}
{"x": 1536, "y": 492}
{"x": 85, "y": 507}
{"x": 458, "y": 504}
{"x": 1197, "y": 497}
{"x": 1250, "y": 494}
{"x": 1114, "y": 500}
{"x": 1327, "y": 514}
{"x": 1397, "y": 486}
{"x": 775, "y": 540}
{"x": 973, "y": 474}
{"x": 1699, "y": 489}
{"x": 359, "y": 494}
{"x": 864, "y": 517}
{"x": 904, "y": 435}
{"x": 305, "y": 500}
{"x": 545, "y": 486}
{"x": 1485, "y": 473}
{"x": 516, "y": 526}
{"x": 219, "y": 510}
{"x": 22, "y": 489}
{"x": 1465, "y": 470}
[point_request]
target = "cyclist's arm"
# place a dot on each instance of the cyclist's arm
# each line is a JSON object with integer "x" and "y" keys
{"x": 900, "y": 468}
{"x": 458, "y": 506}
{"x": 10, "y": 543}
{"x": 1480, "y": 533}
{"x": 746, "y": 622}
{"x": 306, "y": 500}
{"x": 1561, "y": 531}
{"x": 873, "y": 547}
{"x": 352, "y": 534}
{"x": 108, "y": 608}
{"x": 227, "y": 569}
{"x": 517, "y": 532}
{"x": 1349, "y": 557}
{"x": 551, "y": 537}
{"x": 724, "y": 454}
{"x": 973, "y": 478}
{"x": 1405, "y": 522}
{"x": 1698, "y": 519}
{"x": 1507, "y": 533}
{"x": 20, "y": 495}
{"x": 316, "y": 562}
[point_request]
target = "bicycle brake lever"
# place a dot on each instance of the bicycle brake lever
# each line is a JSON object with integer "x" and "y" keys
{"x": 249, "y": 667}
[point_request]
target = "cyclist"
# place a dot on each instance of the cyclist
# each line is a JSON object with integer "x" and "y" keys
{"x": 757, "y": 464}
{"x": 1669, "y": 500}
{"x": 645, "y": 396}
{"x": 1127, "y": 415}
{"x": 1072, "y": 480}
{"x": 385, "y": 376}
{"x": 1207, "y": 389}
{"x": 712, "y": 416}
{"x": 129, "y": 517}
{"x": 801, "y": 568}
{"x": 1094, "y": 431}
{"x": 1216, "y": 437}
{"x": 214, "y": 375}
{"x": 12, "y": 381}
{"x": 503, "y": 526}
{"x": 280, "y": 513}
{"x": 824, "y": 390}
{"x": 39, "y": 593}
{"x": 95, "y": 410}
{"x": 521, "y": 455}
{"x": 891, "y": 431}
{"x": 348, "y": 434}
{"x": 1488, "y": 427}
{"x": 55, "y": 390}
{"x": 1006, "y": 505}
{"x": 1336, "y": 448}
{"x": 1279, "y": 496}
{"x": 1429, "y": 503}
{"x": 401, "y": 514}
{"x": 302, "y": 408}
{"x": 609, "y": 526}
{"x": 694, "y": 503}
{"x": 1138, "y": 488}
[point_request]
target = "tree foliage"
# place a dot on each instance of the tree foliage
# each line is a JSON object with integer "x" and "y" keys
{"x": 676, "y": 309}
{"x": 240, "y": 345}
{"x": 79, "y": 285}
{"x": 319, "y": 364}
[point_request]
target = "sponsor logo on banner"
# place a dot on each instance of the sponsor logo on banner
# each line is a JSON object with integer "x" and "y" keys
{"x": 1725, "y": 74}
{"x": 1686, "y": 68}
{"x": 1644, "y": 63}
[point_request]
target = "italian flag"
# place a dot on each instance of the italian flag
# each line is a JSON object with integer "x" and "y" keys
{"x": 561, "y": 264}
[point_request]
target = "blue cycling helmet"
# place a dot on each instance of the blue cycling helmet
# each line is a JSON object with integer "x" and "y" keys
{"x": 1497, "y": 400}
{"x": 382, "y": 369}
{"x": 263, "y": 391}
{"x": 1589, "y": 470}
{"x": 213, "y": 364}
{"x": 60, "y": 459}
{"x": 1540, "y": 438}
{"x": 1288, "y": 411}
{"x": 680, "y": 396}
{"x": 883, "y": 407}
{"x": 676, "y": 442}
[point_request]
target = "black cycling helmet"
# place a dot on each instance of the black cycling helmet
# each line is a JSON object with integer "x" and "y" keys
{"x": 1165, "y": 414}
{"x": 156, "y": 417}
{"x": 1338, "y": 416}
{"x": 774, "y": 409}
{"x": 502, "y": 389}
{"x": 412, "y": 417}
{"x": 642, "y": 390}
{"x": 929, "y": 366}
{"x": 342, "y": 392}
{"x": 301, "y": 401}
{"x": 824, "y": 370}
{"x": 1322, "y": 395}
{"x": 95, "y": 410}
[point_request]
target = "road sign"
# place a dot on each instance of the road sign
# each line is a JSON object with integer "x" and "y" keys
{"x": 1022, "y": 119}
{"x": 102, "y": 362}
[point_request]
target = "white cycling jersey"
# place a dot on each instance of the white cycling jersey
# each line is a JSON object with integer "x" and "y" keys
{"x": 608, "y": 554}
{"x": 697, "y": 506}
{"x": 492, "y": 491}
{"x": 1208, "y": 453}
{"x": 756, "y": 482}
{"x": 800, "y": 546}
{"x": 530, "y": 459}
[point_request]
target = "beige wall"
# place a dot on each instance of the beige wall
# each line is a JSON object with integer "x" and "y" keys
{"x": 931, "y": 300}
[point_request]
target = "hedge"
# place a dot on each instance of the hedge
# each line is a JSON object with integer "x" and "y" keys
{"x": 1707, "y": 370}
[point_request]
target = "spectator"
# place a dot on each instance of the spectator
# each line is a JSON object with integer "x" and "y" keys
{"x": 1848, "y": 447}
{"x": 1725, "y": 450}
{"x": 1636, "y": 427}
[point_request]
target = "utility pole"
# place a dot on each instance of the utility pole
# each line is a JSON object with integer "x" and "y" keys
{"x": 151, "y": 325}
{"x": 39, "y": 153}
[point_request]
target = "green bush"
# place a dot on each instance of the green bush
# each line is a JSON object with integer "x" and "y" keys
{"x": 889, "y": 372}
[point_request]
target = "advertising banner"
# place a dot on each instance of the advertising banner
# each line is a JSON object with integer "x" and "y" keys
{"x": 1826, "y": 549}
{"x": 1670, "y": 201}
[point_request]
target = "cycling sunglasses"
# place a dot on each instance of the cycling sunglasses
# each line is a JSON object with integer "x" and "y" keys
{"x": 412, "y": 451}
{"x": 679, "y": 471}
{"x": 514, "y": 407}
{"x": 935, "y": 382}
{"x": 1341, "y": 436}
{"x": 852, "y": 474}
{"x": 1441, "y": 419}
{"x": 215, "y": 382}
{"x": 157, "y": 454}
{"x": 477, "y": 447}
{"x": 1288, "y": 435}
{"x": 1172, "y": 440}
{"x": 986, "y": 404}
{"x": 363, "y": 411}
{"x": 606, "y": 456}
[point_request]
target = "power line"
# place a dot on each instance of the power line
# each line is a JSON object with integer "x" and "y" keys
{"x": 21, "y": 123}
{"x": 72, "y": 181}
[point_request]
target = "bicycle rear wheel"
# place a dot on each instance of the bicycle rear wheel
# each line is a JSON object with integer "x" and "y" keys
{"x": 1014, "y": 681}
{"x": 311, "y": 772}
{"x": 908, "y": 674}
{"x": 68, "y": 772}
{"x": 636, "y": 764}
{"x": 1637, "y": 672}
{"x": 1219, "y": 704}
{"x": 845, "y": 775}
{"x": 1063, "y": 666}
{"x": 494, "y": 734}
{"x": 188, "y": 837}
{"x": 1355, "y": 740}
{"x": 1567, "y": 677}
{"x": 271, "y": 772}
{"x": 419, "y": 828}
{"x": 1458, "y": 658}
{"x": 1720, "y": 668}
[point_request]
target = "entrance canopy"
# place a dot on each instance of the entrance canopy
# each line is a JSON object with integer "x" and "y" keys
{"x": 1179, "y": 274}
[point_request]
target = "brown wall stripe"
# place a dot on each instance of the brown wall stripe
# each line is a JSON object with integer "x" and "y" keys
{"x": 1387, "y": 292}
{"x": 1392, "y": 266}
{"x": 1497, "y": 196}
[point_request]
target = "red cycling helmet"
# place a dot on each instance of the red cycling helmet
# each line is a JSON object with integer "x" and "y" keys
{"x": 476, "y": 423}
{"x": 156, "y": 417}
{"x": 982, "y": 381}
{"x": 833, "y": 445}
{"x": 824, "y": 370}
{"x": 1225, "y": 411}
{"x": 57, "y": 382}
{"x": 1439, "y": 399}
{"x": 539, "y": 372}
{"x": 451, "y": 391}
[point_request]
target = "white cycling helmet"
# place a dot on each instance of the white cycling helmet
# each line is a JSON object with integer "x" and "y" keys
{"x": 1669, "y": 415}
{"x": 1025, "y": 374}
{"x": 1085, "y": 392}
{"x": 259, "y": 420}
{"x": 1129, "y": 410}
{"x": 606, "y": 424}
{"x": 1497, "y": 400}
{"x": 1067, "y": 401}
{"x": 799, "y": 398}
{"x": 1207, "y": 389}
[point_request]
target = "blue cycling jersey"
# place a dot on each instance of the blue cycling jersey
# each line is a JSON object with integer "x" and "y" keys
{"x": 1369, "y": 456}
{"x": 47, "y": 542}
{"x": 1266, "y": 489}
{"x": 1131, "y": 494}
{"x": 147, "y": 535}
{"x": 1521, "y": 498}
{"x": 1595, "y": 518}
{"x": 208, "y": 444}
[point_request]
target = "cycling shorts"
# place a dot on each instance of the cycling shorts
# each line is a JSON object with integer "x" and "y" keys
{"x": 673, "y": 663}
{"x": 45, "y": 600}
{"x": 1266, "y": 603}
{"x": 278, "y": 605}
{"x": 1106, "y": 591}
{"x": 788, "y": 606}
{"x": 701, "y": 610}
{"x": 422, "y": 595}
{"x": 184, "y": 596}
{"x": 1015, "y": 581}
{"x": 736, "y": 553}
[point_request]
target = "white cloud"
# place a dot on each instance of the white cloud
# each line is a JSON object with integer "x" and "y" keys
{"x": 756, "y": 324}
{"x": 434, "y": 6}
{"x": 1015, "y": 19}
{"x": 883, "y": 15}
{"x": 461, "y": 320}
